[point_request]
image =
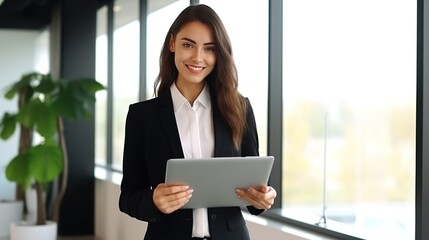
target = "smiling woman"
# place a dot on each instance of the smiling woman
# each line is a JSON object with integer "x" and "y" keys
{"x": 198, "y": 113}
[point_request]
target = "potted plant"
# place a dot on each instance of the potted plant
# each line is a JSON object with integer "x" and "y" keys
{"x": 43, "y": 104}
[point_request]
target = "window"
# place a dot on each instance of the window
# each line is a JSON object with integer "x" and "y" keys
{"x": 349, "y": 97}
{"x": 117, "y": 64}
{"x": 126, "y": 50}
{"x": 101, "y": 96}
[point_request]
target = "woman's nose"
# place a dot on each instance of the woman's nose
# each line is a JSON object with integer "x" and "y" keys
{"x": 197, "y": 55}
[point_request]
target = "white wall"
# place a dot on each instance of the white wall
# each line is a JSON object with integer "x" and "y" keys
{"x": 111, "y": 224}
{"x": 16, "y": 57}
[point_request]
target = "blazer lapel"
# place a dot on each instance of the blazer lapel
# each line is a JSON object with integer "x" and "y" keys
{"x": 168, "y": 122}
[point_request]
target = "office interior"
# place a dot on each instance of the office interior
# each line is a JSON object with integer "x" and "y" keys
{"x": 315, "y": 191}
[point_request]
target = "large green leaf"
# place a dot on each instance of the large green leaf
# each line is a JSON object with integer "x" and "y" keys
{"x": 12, "y": 91}
{"x": 29, "y": 113}
{"x": 45, "y": 85}
{"x": 7, "y": 126}
{"x": 18, "y": 170}
{"x": 46, "y": 121}
{"x": 91, "y": 85}
{"x": 66, "y": 105}
{"x": 25, "y": 84}
{"x": 75, "y": 98}
{"x": 46, "y": 162}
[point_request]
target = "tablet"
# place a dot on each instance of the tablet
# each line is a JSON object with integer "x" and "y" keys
{"x": 214, "y": 180}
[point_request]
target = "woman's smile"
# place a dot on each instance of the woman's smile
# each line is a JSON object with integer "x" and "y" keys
{"x": 195, "y": 69}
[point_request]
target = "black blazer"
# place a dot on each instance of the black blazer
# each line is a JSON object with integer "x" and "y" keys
{"x": 151, "y": 138}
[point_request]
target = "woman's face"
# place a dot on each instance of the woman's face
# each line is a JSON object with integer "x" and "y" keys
{"x": 195, "y": 55}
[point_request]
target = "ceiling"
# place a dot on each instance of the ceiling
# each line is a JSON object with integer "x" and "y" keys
{"x": 25, "y": 14}
{"x": 36, "y": 14}
{"x": 29, "y": 14}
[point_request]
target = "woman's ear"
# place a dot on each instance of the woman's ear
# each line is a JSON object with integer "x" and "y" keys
{"x": 171, "y": 44}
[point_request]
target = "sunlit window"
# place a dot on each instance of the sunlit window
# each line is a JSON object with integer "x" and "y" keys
{"x": 101, "y": 96}
{"x": 349, "y": 95}
{"x": 125, "y": 87}
{"x": 126, "y": 49}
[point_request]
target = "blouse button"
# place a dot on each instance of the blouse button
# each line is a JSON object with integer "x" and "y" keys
{"x": 213, "y": 216}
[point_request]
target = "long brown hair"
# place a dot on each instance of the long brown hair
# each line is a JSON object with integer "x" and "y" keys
{"x": 223, "y": 79}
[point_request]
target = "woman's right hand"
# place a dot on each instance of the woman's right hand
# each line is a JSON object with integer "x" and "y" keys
{"x": 170, "y": 198}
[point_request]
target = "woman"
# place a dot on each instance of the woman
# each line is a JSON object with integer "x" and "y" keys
{"x": 198, "y": 112}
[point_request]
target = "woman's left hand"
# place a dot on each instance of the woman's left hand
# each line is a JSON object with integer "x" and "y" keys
{"x": 260, "y": 198}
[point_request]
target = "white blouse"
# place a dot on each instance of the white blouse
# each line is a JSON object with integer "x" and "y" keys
{"x": 196, "y": 131}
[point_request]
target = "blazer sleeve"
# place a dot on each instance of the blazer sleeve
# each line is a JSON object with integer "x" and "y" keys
{"x": 136, "y": 191}
{"x": 250, "y": 142}
{"x": 250, "y": 145}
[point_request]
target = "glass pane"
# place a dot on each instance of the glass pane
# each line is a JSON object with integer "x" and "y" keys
{"x": 126, "y": 42}
{"x": 349, "y": 78}
{"x": 249, "y": 39}
{"x": 41, "y": 52}
{"x": 159, "y": 20}
{"x": 101, "y": 96}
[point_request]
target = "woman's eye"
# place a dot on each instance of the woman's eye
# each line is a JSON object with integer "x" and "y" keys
{"x": 187, "y": 45}
{"x": 210, "y": 49}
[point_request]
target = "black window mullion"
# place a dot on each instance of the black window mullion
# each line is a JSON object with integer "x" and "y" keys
{"x": 422, "y": 122}
{"x": 109, "y": 124}
{"x": 143, "y": 13}
{"x": 275, "y": 113}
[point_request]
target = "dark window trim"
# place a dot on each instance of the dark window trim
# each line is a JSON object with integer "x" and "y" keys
{"x": 422, "y": 122}
{"x": 275, "y": 90}
{"x": 143, "y": 48}
{"x": 109, "y": 119}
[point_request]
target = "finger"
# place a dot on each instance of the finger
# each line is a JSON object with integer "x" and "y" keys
{"x": 264, "y": 193}
{"x": 262, "y": 189}
{"x": 167, "y": 190}
{"x": 265, "y": 189}
{"x": 171, "y": 194}
{"x": 249, "y": 198}
{"x": 173, "y": 205}
{"x": 257, "y": 199}
{"x": 261, "y": 194}
{"x": 170, "y": 205}
{"x": 169, "y": 198}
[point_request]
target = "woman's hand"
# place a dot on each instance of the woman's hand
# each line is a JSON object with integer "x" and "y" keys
{"x": 260, "y": 198}
{"x": 170, "y": 198}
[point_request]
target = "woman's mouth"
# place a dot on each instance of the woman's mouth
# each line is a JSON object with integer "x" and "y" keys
{"x": 195, "y": 69}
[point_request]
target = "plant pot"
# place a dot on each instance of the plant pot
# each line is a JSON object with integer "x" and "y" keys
{"x": 11, "y": 211}
{"x": 24, "y": 231}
